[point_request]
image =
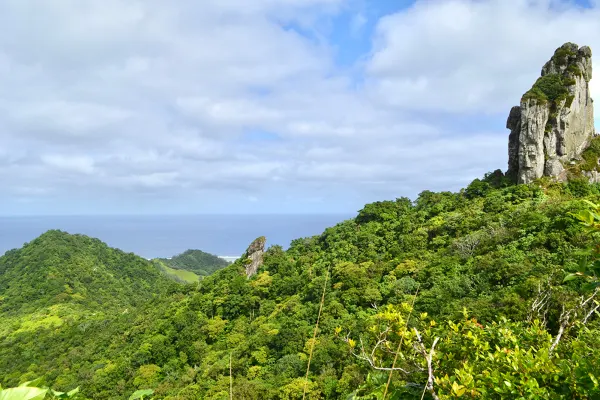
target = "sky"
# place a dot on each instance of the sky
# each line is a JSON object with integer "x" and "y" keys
{"x": 263, "y": 106}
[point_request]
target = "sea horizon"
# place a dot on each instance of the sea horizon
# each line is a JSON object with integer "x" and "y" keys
{"x": 153, "y": 236}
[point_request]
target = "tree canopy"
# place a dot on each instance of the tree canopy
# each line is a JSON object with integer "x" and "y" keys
{"x": 460, "y": 295}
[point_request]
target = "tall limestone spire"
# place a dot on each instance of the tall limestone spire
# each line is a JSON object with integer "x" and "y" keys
{"x": 555, "y": 122}
{"x": 254, "y": 256}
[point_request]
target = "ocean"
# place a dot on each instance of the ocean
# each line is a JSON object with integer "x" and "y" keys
{"x": 166, "y": 236}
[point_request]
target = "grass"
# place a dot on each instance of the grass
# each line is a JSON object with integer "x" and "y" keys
{"x": 179, "y": 274}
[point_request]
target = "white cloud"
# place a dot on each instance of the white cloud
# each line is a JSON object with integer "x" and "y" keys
{"x": 151, "y": 180}
{"x": 214, "y": 100}
{"x": 69, "y": 118}
{"x": 77, "y": 164}
{"x": 472, "y": 56}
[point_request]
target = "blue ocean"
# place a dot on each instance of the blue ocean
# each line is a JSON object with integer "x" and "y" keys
{"x": 165, "y": 236}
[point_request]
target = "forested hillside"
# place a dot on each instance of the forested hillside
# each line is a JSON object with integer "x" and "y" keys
{"x": 58, "y": 268}
{"x": 462, "y": 295}
{"x": 196, "y": 261}
{"x": 60, "y": 293}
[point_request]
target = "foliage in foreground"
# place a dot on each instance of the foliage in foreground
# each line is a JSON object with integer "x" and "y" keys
{"x": 467, "y": 359}
{"x": 27, "y": 391}
{"x": 493, "y": 361}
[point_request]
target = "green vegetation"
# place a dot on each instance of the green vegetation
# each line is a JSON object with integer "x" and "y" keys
{"x": 58, "y": 269}
{"x": 575, "y": 70}
{"x": 464, "y": 294}
{"x": 591, "y": 155}
{"x": 61, "y": 295}
{"x": 27, "y": 391}
{"x": 180, "y": 275}
{"x": 590, "y": 268}
{"x": 564, "y": 53}
{"x": 196, "y": 261}
{"x": 549, "y": 88}
{"x": 553, "y": 88}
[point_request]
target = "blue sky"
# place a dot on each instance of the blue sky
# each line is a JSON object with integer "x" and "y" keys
{"x": 269, "y": 106}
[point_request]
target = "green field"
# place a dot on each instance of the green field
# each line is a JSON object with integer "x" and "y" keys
{"x": 186, "y": 276}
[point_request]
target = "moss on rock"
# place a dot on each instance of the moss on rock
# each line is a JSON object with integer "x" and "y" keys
{"x": 564, "y": 52}
{"x": 591, "y": 155}
{"x": 547, "y": 88}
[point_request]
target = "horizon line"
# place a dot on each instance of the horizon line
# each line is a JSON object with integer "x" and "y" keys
{"x": 173, "y": 215}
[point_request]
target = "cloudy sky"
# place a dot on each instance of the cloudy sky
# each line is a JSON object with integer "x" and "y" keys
{"x": 263, "y": 106}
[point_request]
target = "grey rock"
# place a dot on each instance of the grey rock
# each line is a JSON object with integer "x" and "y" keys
{"x": 514, "y": 124}
{"x": 254, "y": 256}
{"x": 593, "y": 176}
{"x": 531, "y": 141}
{"x": 555, "y": 168}
{"x": 546, "y": 133}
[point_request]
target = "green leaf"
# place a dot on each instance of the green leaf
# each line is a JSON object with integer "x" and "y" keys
{"x": 571, "y": 277}
{"x": 594, "y": 206}
{"x": 67, "y": 395}
{"x": 140, "y": 394}
{"x": 23, "y": 393}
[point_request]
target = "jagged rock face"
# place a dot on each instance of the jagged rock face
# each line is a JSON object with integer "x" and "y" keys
{"x": 531, "y": 141}
{"x": 514, "y": 124}
{"x": 555, "y": 121}
{"x": 254, "y": 256}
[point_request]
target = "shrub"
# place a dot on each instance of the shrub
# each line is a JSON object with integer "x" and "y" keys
{"x": 579, "y": 187}
{"x": 477, "y": 188}
{"x": 591, "y": 155}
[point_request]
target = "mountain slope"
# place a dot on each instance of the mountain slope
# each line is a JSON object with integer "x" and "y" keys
{"x": 60, "y": 268}
{"x": 196, "y": 261}
{"x": 484, "y": 253}
{"x": 67, "y": 294}
{"x": 179, "y": 275}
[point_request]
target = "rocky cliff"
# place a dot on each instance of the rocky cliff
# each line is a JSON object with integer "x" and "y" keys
{"x": 555, "y": 122}
{"x": 254, "y": 256}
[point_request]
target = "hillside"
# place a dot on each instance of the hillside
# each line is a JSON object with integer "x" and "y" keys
{"x": 59, "y": 268}
{"x": 196, "y": 261}
{"x": 473, "y": 265}
{"x": 63, "y": 292}
{"x": 179, "y": 275}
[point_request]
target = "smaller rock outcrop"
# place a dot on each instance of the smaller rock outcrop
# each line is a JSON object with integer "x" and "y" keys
{"x": 554, "y": 123}
{"x": 253, "y": 258}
